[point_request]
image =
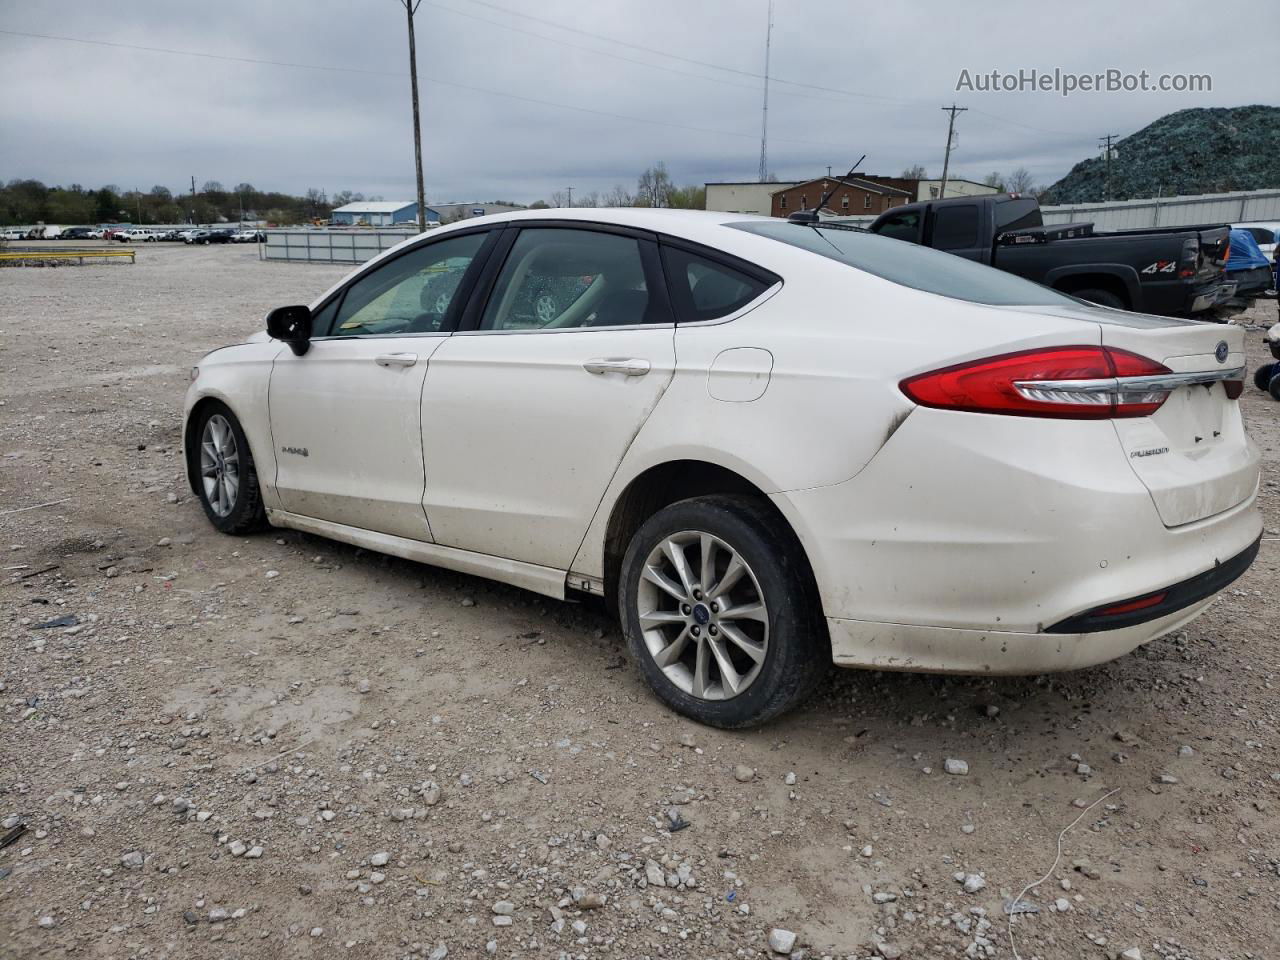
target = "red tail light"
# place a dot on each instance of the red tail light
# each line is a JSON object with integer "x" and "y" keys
{"x": 1077, "y": 383}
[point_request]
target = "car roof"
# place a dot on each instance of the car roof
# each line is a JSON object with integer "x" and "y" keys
{"x": 642, "y": 218}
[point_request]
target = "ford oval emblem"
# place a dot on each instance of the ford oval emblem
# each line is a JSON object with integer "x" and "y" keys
{"x": 1221, "y": 351}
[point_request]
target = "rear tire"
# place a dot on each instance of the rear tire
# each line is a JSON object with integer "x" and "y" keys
{"x": 1103, "y": 298}
{"x": 1262, "y": 376}
{"x": 1274, "y": 387}
{"x": 738, "y": 671}
{"x": 226, "y": 479}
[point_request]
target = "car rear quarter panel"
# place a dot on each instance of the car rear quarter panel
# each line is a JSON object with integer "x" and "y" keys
{"x": 841, "y": 340}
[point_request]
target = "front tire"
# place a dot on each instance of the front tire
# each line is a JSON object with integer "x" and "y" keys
{"x": 226, "y": 479}
{"x": 720, "y": 611}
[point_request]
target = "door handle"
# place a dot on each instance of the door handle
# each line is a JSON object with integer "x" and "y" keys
{"x": 627, "y": 366}
{"x": 396, "y": 359}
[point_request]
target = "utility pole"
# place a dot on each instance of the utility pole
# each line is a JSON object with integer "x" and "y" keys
{"x": 946, "y": 159}
{"x": 570, "y": 189}
{"x": 764, "y": 114}
{"x": 193, "y": 200}
{"x": 1105, "y": 143}
{"x": 410, "y": 8}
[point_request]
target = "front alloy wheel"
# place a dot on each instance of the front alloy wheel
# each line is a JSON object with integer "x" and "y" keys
{"x": 720, "y": 611}
{"x": 703, "y": 616}
{"x": 221, "y": 463}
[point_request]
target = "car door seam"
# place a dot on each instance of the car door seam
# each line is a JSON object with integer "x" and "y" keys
{"x": 675, "y": 360}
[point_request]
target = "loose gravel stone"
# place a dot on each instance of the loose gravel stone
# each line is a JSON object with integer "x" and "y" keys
{"x": 782, "y": 941}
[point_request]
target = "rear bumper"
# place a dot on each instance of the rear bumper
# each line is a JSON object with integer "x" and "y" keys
{"x": 1167, "y": 600}
{"x": 982, "y": 526}
{"x": 1209, "y": 297}
{"x": 897, "y": 646}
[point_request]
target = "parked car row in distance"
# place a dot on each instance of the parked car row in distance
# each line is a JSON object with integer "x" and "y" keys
{"x": 128, "y": 234}
{"x": 190, "y": 236}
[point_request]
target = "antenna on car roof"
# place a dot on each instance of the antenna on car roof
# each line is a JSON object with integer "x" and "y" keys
{"x": 810, "y": 217}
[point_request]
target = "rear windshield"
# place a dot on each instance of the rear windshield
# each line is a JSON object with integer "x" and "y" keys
{"x": 911, "y": 265}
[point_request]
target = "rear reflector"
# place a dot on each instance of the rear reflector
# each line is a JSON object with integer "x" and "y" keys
{"x": 1129, "y": 606}
{"x": 1080, "y": 383}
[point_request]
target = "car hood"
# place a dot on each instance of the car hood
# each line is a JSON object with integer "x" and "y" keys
{"x": 259, "y": 336}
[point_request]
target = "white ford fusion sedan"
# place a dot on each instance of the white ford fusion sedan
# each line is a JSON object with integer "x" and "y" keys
{"x": 770, "y": 445}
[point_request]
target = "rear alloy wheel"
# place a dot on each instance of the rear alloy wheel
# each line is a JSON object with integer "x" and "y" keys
{"x": 720, "y": 615}
{"x": 1262, "y": 376}
{"x": 226, "y": 480}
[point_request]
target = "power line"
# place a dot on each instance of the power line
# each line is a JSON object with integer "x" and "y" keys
{"x": 401, "y": 76}
{"x": 600, "y": 53}
{"x": 843, "y": 92}
{"x": 674, "y": 56}
{"x": 332, "y": 68}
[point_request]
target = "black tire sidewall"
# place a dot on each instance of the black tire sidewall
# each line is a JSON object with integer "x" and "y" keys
{"x": 1262, "y": 376}
{"x": 1273, "y": 387}
{"x": 247, "y": 512}
{"x": 798, "y": 653}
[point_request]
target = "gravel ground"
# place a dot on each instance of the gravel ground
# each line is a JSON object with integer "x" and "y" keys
{"x": 285, "y": 747}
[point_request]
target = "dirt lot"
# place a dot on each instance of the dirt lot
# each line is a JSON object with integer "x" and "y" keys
{"x": 284, "y": 747}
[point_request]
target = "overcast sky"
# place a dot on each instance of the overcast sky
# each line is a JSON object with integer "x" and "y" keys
{"x": 877, "y": 75}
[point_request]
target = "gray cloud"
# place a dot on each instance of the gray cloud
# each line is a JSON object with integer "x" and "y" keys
{"x": 93, "y": 114}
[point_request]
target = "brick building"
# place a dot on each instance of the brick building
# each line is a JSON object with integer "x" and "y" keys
{"x": 852, "y": 196}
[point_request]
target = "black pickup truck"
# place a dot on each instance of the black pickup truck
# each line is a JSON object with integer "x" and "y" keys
{"x": 1176, "y": 271}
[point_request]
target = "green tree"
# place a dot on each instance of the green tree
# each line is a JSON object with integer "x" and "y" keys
{"x": 106, "y": 206}
{"x": 692, "y": 197}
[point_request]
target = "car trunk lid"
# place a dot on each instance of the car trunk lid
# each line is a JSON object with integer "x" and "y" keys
{"x": 1192, "y": 454}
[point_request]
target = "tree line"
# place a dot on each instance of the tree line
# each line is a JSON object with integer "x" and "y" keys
{"x": 25, "y": 202}
{"x": 654, "y": 188}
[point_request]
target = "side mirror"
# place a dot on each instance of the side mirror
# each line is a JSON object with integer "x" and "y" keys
{"x": 292, "y": 325}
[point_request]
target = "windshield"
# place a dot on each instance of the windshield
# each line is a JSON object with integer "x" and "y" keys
{"x": 911, "y": 265}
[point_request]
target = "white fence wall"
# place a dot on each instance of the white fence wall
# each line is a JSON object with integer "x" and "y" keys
{"x": 1241, "y": 207}
{"x": 330, "y": 246}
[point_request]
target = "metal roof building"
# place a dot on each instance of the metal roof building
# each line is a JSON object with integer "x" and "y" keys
{"x": 381, "y": 213}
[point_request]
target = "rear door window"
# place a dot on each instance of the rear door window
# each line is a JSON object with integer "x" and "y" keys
{"x": 956, "y": 228}
{"x": 901, "y": 226}
{"x": 1018, "y": 214}
{"x": 707, "y": 289}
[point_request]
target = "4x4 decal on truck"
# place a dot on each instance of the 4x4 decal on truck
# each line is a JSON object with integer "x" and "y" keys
{"x": 1161, "y": 266}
